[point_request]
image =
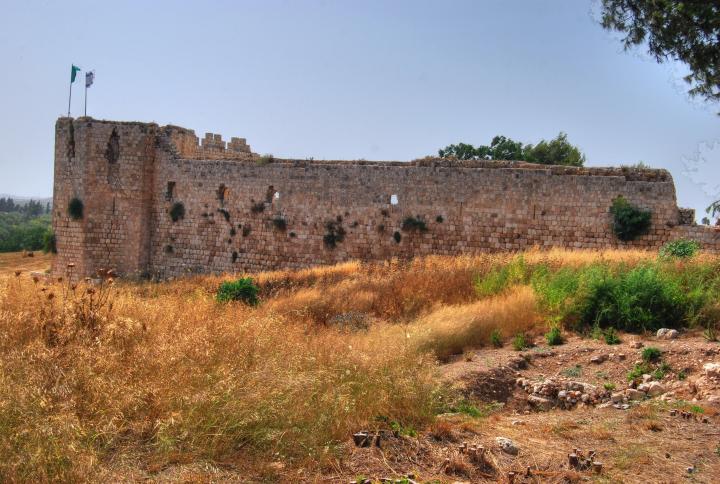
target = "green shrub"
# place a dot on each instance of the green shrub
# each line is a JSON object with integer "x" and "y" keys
{"x": 177, "y": 211}
{"x": 682, "y": 249}
{"x": 555, "y": 289}
{"x": 629, "y": 222}
{"x": 75, "y": 208}
{"x": 520, "y": 342}
{"x": 414, "y": 224}
{"x": 611, "y": 336}
{"x": 244, "y": 290}
{"x": 639, "y": 300}
{"x": 280, "y": 224}
{"x": 335, "y": 233}
{"x": 21, "y": 232}
{"x": 661, "y": 371}
{"x": 573, "y": 371}
{"x": 609, "y": 386}
{"x": 500, "y": 278}
{"x": 710, "y": 333}
{"x": 638, "y": 371}
{"x": 651, "y": 354}
{"x": 49, "y": 242}
{"x": 554, "y": 337}
{"x": 496, "y": 339}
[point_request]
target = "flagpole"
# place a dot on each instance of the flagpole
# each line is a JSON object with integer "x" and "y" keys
{"x": 70, "y": 97}
{"x": 86, "y": 98}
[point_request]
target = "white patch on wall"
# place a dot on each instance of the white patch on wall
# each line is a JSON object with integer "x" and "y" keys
{"x": 393, "y": 199}
{"x": 277, "y": 195}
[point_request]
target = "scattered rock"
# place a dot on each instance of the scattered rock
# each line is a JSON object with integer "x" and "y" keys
{"x": 507, "y": 445}
{"x": 665, "y": 333}
{"x": 598, "y": 359}
{"x": 655, "y": 388}
{"x": 633, "y": 394}
{"x": 540, "y": 403}
{"x": 617, "y": 397}
{"x": 636, "y": 345}
{"x": 712, "y": 370}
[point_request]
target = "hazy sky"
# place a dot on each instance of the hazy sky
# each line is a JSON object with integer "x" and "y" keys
{"x": 388, "y": 80}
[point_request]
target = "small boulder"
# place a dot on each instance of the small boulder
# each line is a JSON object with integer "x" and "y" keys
{"x": 665, "y": 333}
{"x": 712, "y": 370}
{"x": 655, "y": 388}
{"x": 507, "y": 445}
{"x": 633, "y": 394}
{"x": 636, "y": 345}
{"x": 617, "y": 397}
{"x": 598, "y": 359}
{"x": 540, "y": 403}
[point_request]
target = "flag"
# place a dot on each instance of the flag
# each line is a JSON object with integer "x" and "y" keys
{"x": 89, "y": 78}
{"x": 73, "y": 73}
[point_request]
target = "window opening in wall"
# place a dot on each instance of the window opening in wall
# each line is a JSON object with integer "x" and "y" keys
{"x": 112, "y": 151}
{"x": 170, "y": 193}
{"x": 393, "y": 199}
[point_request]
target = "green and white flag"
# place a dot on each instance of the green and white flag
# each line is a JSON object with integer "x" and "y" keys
{"x": 89, "y": 78}
{"x": 73, "y": 73}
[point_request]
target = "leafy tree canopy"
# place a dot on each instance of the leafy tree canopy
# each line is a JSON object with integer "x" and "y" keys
{"x": 557, "y": 151}
{"x": 686, "y": 31}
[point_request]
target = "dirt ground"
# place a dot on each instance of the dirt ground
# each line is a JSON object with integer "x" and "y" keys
{"x": 674, "y": 437}
{"x": 670, "y": 438}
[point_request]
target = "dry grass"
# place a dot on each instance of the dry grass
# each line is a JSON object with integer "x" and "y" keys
{"x": 450, "y": 330}
{"x": 12, "y": 261}
{"x": 176, "y": 379}
{"x": 165, "y": 375}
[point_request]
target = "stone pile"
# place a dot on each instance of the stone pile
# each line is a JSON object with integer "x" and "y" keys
{"x": 566, "y": 394}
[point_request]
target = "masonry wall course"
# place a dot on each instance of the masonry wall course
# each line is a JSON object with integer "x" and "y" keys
{"x": 299, "y": 213}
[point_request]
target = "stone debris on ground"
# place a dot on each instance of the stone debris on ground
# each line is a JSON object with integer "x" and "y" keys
{"x": 665, "y": 333}
{"x": 507, "y": 445}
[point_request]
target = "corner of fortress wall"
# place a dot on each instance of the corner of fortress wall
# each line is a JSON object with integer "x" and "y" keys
{"x": 246, "y": 213}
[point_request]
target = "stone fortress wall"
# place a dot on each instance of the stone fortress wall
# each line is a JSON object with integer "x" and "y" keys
{"x": 243, "y": 212}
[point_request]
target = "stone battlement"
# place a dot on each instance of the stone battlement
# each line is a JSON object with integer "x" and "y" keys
{"x": 159, "y": 201}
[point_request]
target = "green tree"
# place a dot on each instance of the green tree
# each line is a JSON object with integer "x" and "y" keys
{"x": 557, "y": 151}
{"x": 685, "y": 31}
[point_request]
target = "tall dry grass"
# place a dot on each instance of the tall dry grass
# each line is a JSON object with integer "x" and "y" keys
{"x": 176, "y": 379}
{"x": 449, "y": 330}
{"x": 168, "y": 375}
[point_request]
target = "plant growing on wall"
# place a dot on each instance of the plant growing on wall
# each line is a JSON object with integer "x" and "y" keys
{"x": 225, "y": 214}
{"x": 76, "y": 208}
{"x": 279, "y": 223}
{"x": 177, "y": 211}
{"x": 397, "y": 236}
{"x": 335, "y": 233}
{"x": 414, "y": 224}
{"x": 629, "y": 221}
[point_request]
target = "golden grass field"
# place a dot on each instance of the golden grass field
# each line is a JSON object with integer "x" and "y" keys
{"x": 120, "y": 380}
